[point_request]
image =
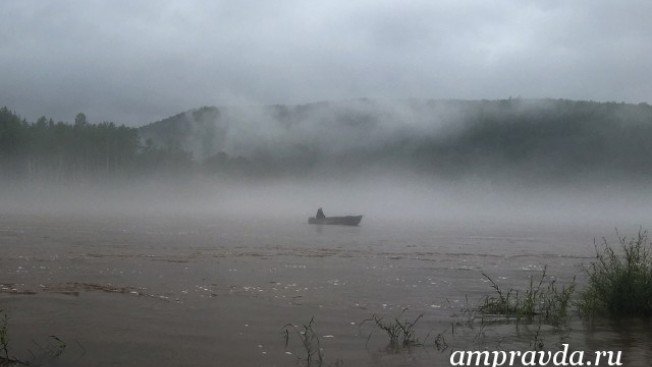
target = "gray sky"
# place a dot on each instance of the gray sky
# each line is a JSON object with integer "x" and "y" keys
{"x": 138, "y": 61}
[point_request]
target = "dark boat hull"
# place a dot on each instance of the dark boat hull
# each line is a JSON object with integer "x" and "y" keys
{"x": 349, "y": 220}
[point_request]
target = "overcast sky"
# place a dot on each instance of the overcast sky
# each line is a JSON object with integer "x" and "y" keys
{"x": 139, "y": 61}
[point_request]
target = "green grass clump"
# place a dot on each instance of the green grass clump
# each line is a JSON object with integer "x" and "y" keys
{"x": 543, "y": 300}
{"x": 620, "y": 279}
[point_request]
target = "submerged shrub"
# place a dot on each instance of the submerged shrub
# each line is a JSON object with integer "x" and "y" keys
{"x": 620, "y": 279}
{"x": 400, "y": 334}
{"x": 309, "y": 341}
{"x": 542, "y": 300}
{"x": 4, "y": 339}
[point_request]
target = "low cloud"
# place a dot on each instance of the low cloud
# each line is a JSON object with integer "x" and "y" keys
{"x": 139, "y": 61}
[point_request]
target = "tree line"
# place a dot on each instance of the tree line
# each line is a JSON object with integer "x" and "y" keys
{"x": 45, "y": 150}
{"x": 504, "y": 139}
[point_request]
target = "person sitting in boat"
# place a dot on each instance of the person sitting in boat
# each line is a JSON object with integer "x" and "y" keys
{"x": 320, "y": 214}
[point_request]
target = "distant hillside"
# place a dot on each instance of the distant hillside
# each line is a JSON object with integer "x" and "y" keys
{"x": 529, "y": 138}
{"x": 198, "y": 131}
{"x": 505, "y": 140}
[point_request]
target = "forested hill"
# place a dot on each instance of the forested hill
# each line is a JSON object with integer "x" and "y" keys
{"x": 527, "y": 139}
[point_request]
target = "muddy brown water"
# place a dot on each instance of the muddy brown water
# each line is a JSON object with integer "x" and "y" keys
{"x": 181, "y": 291}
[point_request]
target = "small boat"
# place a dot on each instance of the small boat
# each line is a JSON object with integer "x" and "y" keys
{"x": 349, "y": 220}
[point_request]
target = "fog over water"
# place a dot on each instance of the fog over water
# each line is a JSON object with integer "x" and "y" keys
{"x": 396, "y": 199}
{"x": 515, "y": 160}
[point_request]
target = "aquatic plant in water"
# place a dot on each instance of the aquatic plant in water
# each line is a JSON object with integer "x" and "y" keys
{"x": 400, "y": 334}
{"x": 314, "y": 354}
{"x": 620, "y": 279}
{"x": 543, "y": 300}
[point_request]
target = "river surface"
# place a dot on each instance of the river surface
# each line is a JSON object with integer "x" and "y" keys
{"x": 211, "y": 291}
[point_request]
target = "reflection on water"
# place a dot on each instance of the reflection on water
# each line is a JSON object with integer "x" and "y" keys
{"x": 200, "y": 291}
{"x": 632, "y": 336}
